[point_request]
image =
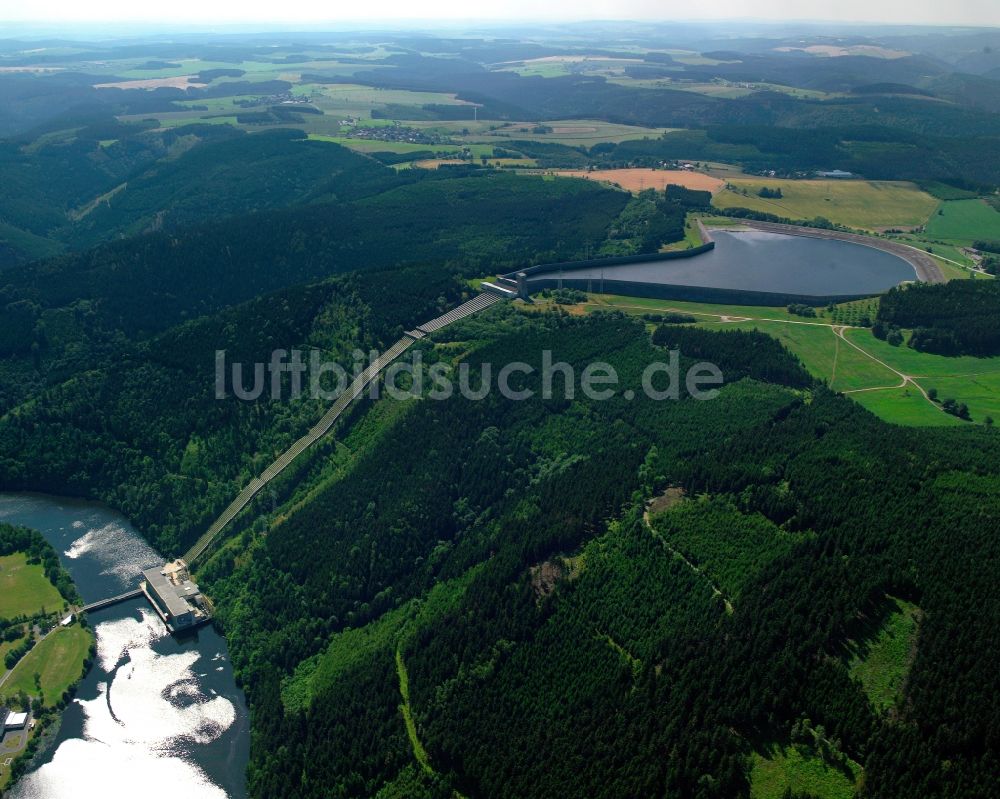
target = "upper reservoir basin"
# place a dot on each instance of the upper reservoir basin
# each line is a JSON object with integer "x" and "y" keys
{"x": 756, "y": 261}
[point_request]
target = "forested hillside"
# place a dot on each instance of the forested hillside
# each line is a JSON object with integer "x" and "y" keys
{"x": 490, "y": 560}
{"x": 75, "y": 311}
{"x": 957, "y": 318}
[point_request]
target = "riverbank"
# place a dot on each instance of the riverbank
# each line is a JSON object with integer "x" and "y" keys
{"x": 154, "y": 709}
{"x": 49, "y": 649}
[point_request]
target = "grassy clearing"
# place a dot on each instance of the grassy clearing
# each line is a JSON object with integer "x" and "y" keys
{"x": 923, "y": 364}
{"x": 816, "y": 345}
{"x": 823, "y": 354}
{"x": 561, "y": 65}
{"x": 866, "y": 205}
{"x": 403, "y": 148}
{"x": 24, "y": 588}
{"x": 905, "y": 406}
{"x": 639, "y": 305}
{"x": 882, "y": 662}
{"x": 58, "y": 660}
{"x": 411, "y": 727}
{"x": 974, "y": 381}
{"x": 963, "y": 221}
{"x": 348, "y": 96}
{"x": 981, "y": 392}
{"x": 788, "y": 767}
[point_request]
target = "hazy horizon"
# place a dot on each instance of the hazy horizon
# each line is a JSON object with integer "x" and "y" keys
{"x": 231, "y": 13}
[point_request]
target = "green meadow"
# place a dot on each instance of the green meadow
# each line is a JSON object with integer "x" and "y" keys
{"x": 861, "y": 204}
{"x": 964, "y": 221}
{"x": 906, "y": 406}
{"x": 24, "y": 588}
{"x": 58, "y": 662}
{"x": 974, "y": 381}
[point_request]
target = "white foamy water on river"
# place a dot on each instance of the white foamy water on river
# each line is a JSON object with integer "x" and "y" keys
{"x": 156, "y": 716}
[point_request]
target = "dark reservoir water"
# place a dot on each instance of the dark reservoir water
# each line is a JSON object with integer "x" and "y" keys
{"x": 772, "y": 262}
{"x": 156, "y": 716}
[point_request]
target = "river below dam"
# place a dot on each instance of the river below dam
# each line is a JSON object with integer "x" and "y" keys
{"x": 157, "y": 716}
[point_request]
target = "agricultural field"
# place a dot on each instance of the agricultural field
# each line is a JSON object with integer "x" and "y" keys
{"x": 719, "y": 88}
{"x": 434, "y": 163}
{"x": 572, "y": 132}
{"x": 790, "y": 767}
{"x": 376, "y": 146}
{"x": 636, "y": 180}
{"x": 349, "y": 98}
{"x": 560, "y": 65}
{"x": 882, "y": 662}
{"x": 963, "y": 221}
{"x": 24, "y": 588}
{"x": 58, "y": 662}
{"x": 862, "y": 204}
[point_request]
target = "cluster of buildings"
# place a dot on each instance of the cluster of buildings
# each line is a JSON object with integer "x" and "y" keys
{"x": 395, "y": 132}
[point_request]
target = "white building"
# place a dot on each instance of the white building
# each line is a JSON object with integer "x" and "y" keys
{"x": 15, "y": 721}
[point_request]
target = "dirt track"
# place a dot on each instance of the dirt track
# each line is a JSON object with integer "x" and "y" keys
{"x": 925, "y": 266}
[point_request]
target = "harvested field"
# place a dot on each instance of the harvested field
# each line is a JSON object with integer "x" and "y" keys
{"x": 434, "y": 163}
{"x": 175, "y": 82}
{"x": 639, "y": 179}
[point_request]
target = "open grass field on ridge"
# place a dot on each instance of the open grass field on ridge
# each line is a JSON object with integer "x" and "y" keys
{"x": 862, "y": 204}
{"x": 963, "y": 221}
{"x": 867, "y": 369}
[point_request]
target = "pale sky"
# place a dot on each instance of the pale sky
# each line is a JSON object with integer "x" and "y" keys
{"x": 935, "y": 12}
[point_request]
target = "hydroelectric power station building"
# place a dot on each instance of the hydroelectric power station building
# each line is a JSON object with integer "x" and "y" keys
{"x": 174, "y": 596}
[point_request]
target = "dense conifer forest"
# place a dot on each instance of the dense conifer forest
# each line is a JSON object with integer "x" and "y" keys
{"x": 554, "y": 640}
{"x": 957, "y": 318}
